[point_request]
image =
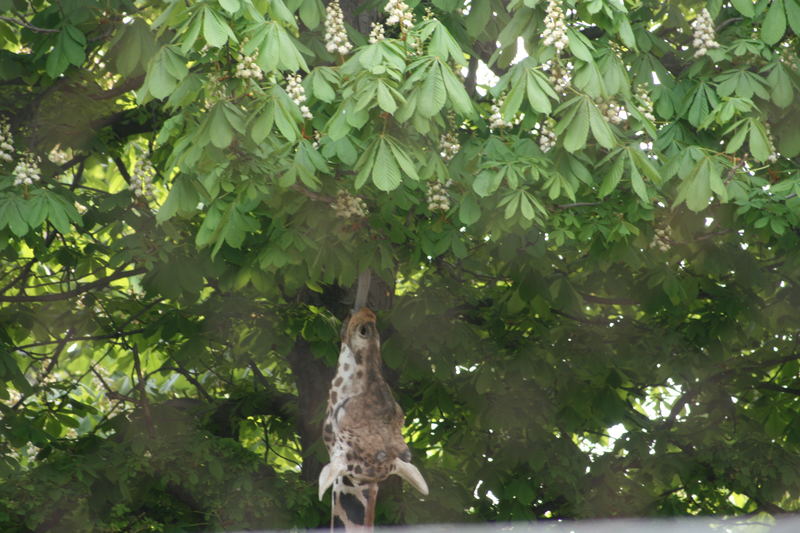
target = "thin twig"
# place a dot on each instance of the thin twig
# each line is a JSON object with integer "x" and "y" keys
{"x": 76, "y": 291}
{"x": 28, "y": 25}
{"x": 141, "y": 385}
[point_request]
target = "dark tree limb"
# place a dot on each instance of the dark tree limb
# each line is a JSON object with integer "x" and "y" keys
{"x": 28, "y": 25}
{"x": 86, "y": 287}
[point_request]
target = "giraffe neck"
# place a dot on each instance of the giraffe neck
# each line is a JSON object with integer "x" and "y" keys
{"x": 355, "y": 372}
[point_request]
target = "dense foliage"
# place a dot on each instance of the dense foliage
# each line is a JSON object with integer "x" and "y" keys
{"x": 582, "y": 217}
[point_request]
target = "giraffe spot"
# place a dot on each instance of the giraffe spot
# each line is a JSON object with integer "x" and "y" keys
{"x": 365, "y": 492}
{"x": 352, "y": 508}
{"x": 346, "y": 367}
{"x": 337, "y": 381}
{"x": 328, "y": 428}
{"x": 333, "y": 396}
{"x": 371, "y": 472}
{"x": 358, "y": 469}
{"x": 328, "y": 437}
{"x": 359, "y": 359}
{"x": 349, "y": 456}
{"x": 359, "y": 374}
{"x": 346, "y": 480}
{"x": 350, "y": 467}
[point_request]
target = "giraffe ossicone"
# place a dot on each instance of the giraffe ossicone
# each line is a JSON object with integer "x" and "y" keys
{"x": 363, "y": 428}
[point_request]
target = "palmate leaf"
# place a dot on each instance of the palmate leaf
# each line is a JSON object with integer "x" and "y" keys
{"x": 432, "y": 93}
{"x": 793, "y": 15}
{"x": 469, "y": 211}
{"x": 578, "y": 128}
{"x": 760, "y": 146}
{"x": 774, "y": 25}
{"x": 745, "y": 7}
{"x": 698, "y": 185}
{"x": 601, "y": 129}
{"x": 637, "y": 183}
{"x": 612, "y": 177}
{"x": 456, "y": 94}
{"x": 215, "y": 31}
{"x": 166, "y": 69}
{"x": 443, "y": 46}
{"x": 276, "y": 48}
{"x": 386, "y": 172}
{"x": 781, "y": 86}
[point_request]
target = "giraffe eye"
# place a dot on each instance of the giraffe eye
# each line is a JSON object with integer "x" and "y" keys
{"x": 363, "y": 330}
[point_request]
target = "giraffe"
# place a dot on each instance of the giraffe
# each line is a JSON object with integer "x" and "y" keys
{"x": 362, "y": 429}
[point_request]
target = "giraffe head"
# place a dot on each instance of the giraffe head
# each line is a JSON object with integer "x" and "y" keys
{"x": 360, "y": 333}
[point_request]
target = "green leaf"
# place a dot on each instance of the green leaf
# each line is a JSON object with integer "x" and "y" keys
{"x": 182, "y": 199}
{"x": 215, "y": 31}
{"x": 774, "y": 25}
{"x": 479, "y": 15}
{"x": 538, "y": 89}
{"x": 291, "y": 58}
{"x": 432, "y": 95}
{"x": 34, "y": 210}
{"x": 759, "y": 142}
{"x": 486, "y": 182}
{"x": 283, "y": 118}
{"x": 195, "y": 25}
{"x": 277, "y": 10}
{"x": 262, "y": 125}
{"x": 512, "y": 206}
{"x": 745, "y": 7}
{"x": 612, "y": 178}
{"x": 469, "y": 211}
{"x": 626, "y": 32}
{"x": 443, "y": 46}
{"x": 738, "y": 138}
{"x": 645, "y": 165}
{"x": 385, "y": 100}
{"x": 60, "y": 212}
{"x": 311, "y": 13}
{"x": 160, "y": 81}
{"x": 385, "y": 173}
{"x": 601, "y": 130}
{"x": 782, "y": 92}
{"x": 57, "y": 61}
{"x": 402, "y": 158}
{"x": 11, "y": 216}
{"x": 220, "y": 130}
{"x": 700, "y": 105}
{"x": 695, "y": 189}
{"x": 793, "y": 14}
{"x": 578, "y": 129}
{"x": 579, "y": 45}
{"x": 637, "y": 183}
{"x": 231, "y": 6}
{"x": 74, "y": 49}
{"x": 321, "y": 80}
{"x": 526, "y": 208}
{"x": 456, "y": 93}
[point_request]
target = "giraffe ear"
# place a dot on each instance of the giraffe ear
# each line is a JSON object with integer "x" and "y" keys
{"x": 411, "y": 474}
{"x": 329, "y": 474}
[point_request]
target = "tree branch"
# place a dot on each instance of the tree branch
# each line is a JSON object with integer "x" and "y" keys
{"x": 77, "y": 290}
{"x": 28, "y": 25}
{"x": 605, "y": 300}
